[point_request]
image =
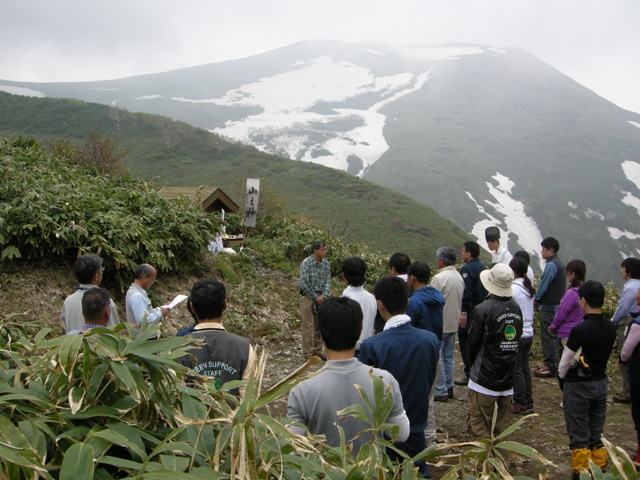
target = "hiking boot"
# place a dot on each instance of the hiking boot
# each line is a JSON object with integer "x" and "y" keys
{"x": 621, "y": 398}
{"x": 441, "y": 398}
{"x": 450, "y": 393}
{"x": 545, "y": 372}
{"x": 521, "y": 409}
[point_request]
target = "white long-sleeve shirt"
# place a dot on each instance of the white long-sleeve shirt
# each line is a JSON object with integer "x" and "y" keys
{"x": 138, "y": 304}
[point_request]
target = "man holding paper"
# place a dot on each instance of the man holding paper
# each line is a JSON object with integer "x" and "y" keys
{"x": 137, "y": 302}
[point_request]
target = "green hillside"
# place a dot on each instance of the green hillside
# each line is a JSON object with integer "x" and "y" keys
{"x": 177, "y": 154}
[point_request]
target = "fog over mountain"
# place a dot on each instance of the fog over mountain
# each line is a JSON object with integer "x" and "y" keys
{"x": 486, "y": 136}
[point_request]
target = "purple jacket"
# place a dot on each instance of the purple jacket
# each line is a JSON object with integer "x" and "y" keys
{"x": 569, "y": 313}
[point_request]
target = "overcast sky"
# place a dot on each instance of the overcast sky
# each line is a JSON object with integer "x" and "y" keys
{"x": 595, "y": 42}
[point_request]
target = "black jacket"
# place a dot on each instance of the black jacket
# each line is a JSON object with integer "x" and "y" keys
{"x": 496, "y": 328}
{"x": 474, "y": 292}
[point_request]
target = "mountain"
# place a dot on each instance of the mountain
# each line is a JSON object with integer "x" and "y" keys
{"x": 483, "y": 135}
{"x": 177, "y": 154}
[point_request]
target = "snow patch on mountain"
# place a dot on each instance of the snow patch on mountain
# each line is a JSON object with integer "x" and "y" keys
{"x": 590, "y": 213}
{"x": 319, "y": 80}
{"x": 504, "y": 183}
{"x": 573, "y": 206}
{"x": 636, "y": 124}
{"x": 479, "y": 227}
{"x": 617, "y": 234}
{"x": 149, "y": 97}
{"x": 25, "y": 92}
{"x": 289, "y": 125}
{"x": 631, "y": 201}
{"x": 632, "y": 171}
{"x": 513, "y": 218}
{"x": 308, "y": 111}
{"x": 375, "y": 52}
{"x": 436, "y": 53}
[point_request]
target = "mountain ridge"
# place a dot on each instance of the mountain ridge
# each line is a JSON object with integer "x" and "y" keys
{"x": 490, "y": 136}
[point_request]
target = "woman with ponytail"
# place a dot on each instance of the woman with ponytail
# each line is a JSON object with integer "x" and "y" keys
{"x": 523, "y": 293}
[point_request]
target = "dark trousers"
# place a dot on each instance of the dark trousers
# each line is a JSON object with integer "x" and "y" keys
{"x": 585, "y": 411}
{"x": 522, "y": 392}
{"x": 415, "y": 444}
{"x": 463, "y": 334}
{"x": 634, "y": 389}
{"x": 548, "y": 342}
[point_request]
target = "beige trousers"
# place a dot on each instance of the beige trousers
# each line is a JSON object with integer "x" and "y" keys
{"x": 481, "y": 414}
{"x": 311, "y": 344}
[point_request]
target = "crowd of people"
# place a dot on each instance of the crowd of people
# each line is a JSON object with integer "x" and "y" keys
{"x": 218, "y": 354}
{"x": 492, "y": 311}
{"x": 405, "y": 334}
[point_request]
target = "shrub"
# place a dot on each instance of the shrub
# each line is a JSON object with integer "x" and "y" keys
{"x": 97, "y": 152}
{"x": 51, "y": 207}
{"x": 283, "y": 242}
{"x": 105, "y": 405}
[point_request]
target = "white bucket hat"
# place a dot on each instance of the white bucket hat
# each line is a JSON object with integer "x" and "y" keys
{"x": 498, "y": 280}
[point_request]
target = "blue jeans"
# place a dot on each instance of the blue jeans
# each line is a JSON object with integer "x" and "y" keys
{"x": 447, "y": 365}
{"x": 463, "y": 333}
